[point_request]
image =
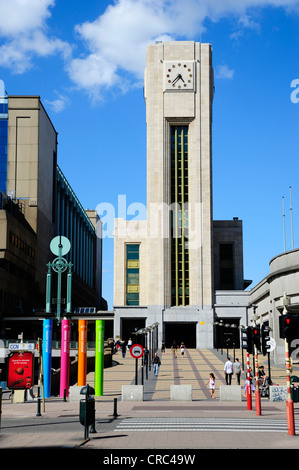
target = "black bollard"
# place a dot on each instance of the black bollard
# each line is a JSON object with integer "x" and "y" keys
{"x": 38, "y": 407}
{"x": 115, "y": 408}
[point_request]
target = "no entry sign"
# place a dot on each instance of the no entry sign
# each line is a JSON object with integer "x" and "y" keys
{"x": 136, "y": 351}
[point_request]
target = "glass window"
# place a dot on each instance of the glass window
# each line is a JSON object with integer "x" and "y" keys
{"x": 180, "y": 216}
{"x": 132, "y": 274}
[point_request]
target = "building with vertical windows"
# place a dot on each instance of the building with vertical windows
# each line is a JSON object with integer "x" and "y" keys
{"x": 170, "y": 268}
{"x": 37, "y": 203}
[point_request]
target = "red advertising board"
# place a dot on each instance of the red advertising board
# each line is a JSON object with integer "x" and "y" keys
{"x": 20, "y": 370}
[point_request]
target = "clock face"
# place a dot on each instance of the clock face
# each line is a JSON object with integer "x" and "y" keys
{"x": 179, "y": 75}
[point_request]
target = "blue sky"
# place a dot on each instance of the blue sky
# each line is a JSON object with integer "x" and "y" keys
{"x": 86, "y": 61}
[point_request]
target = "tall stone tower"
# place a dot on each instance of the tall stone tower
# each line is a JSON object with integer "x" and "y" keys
{"x": 163, "y": 266}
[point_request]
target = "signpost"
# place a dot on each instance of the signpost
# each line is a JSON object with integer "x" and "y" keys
{"x": 46, "y": 354}
{"x": 20, "y": 370}
{"x": 65, "y": 357}
{"x": 136, "y": 352}
{"x": 82, "y": 352}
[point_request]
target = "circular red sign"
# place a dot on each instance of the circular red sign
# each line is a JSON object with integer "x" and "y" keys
{"x": 136, "y": 351}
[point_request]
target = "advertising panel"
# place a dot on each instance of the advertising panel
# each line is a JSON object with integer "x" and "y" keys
{"x": 20, "y": 370}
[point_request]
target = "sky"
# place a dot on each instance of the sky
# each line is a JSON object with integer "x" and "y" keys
{"x": 86, "y": 61}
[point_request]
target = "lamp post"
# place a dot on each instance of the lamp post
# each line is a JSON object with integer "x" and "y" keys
{"x": 60, "y": 246}
{"x": 221, "y": 334}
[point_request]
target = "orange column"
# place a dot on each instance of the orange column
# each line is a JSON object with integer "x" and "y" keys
{"x": 82, "y": 351}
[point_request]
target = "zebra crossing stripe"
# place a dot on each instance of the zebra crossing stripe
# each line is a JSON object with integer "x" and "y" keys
{"x": 177, "y": 425}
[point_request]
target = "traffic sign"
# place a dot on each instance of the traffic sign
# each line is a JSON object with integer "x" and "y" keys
{"x": 272, "y": 344}
{"x": 136, "y": 351}
{"x": 21, "y": 346}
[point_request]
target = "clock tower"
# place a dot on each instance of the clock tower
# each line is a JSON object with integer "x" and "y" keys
{"x": 166, "y": 275}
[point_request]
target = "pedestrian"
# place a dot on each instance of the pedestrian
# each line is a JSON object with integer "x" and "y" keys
{"x": 174, "y": 348}
{"x": 123, "y": 349}
{"x": 156, "y": 364}
{"x": 238, "y": 370}
{"x": 211, "y": 383}
{"x": 163, "y": 347}
{"x": 228, "y": 371}
{"x": 262, "y": 376}
{"x": 252, "y": 387}
{"x": 183, "y": 347}
{"x": 130, "y": 343}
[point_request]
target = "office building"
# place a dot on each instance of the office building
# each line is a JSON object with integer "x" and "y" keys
{"x": 37, "y": 203}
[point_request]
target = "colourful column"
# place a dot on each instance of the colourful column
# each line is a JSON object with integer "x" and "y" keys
{"x": 99, "y": 358}
{"x": 65, "y": 357}
{"x": 47, "y": 357}
{"x": 82, "y": 351}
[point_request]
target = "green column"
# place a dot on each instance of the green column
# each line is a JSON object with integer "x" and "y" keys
{"x": 99, "y": 358}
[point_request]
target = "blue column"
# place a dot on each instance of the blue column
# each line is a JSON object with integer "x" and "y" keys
{"x": 47, "y": 356}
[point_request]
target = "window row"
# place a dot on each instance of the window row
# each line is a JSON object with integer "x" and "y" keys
{"x": 16, "y": 241}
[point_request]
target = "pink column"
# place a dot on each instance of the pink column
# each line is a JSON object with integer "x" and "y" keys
{"x": 65, "y": 357}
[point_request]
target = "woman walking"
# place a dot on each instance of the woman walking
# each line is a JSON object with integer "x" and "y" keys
{"x": 211, "y": 383}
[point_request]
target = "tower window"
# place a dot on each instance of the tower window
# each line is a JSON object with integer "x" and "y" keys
{"x": 179, "y": 216}
{"x": 226, "y": 266}
{"x": 132, "y": 274}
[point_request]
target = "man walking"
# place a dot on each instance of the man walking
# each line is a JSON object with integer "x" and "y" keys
{"x": 228, "y": 371}
{"x": 156, "y": 363}
{"x": 237, "y": 370}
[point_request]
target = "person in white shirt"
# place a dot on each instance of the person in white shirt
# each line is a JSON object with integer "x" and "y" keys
{"x": 228, "y": 371}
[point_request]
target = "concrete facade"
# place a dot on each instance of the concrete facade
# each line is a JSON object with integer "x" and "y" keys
{"x": 38, "y": 204}
{"x": 268, "y": 298}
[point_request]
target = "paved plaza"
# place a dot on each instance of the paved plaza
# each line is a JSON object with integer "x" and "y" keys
{"x": 156, "y": 422}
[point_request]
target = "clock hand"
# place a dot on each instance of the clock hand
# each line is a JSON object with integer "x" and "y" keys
{"x": 176, "y": 79}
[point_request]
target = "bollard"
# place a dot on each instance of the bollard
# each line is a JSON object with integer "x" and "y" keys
{"x": 93, "y": 424}
{"x": 115, "y": 408}
{"x": 38, "y": 407}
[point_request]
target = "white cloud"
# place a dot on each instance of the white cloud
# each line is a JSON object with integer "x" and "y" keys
{"x": 24, "y": 34}
{"x": 223, "y": 71}
{"x": 20, "y": 16}
{"x": 116, "y": 41}
{"x": 58, "y": 105}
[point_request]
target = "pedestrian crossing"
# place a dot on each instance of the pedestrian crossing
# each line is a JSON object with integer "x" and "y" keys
{"x": 202, "y": 424}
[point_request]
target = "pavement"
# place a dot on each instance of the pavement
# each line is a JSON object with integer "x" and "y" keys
{"x": 155, "y": 426}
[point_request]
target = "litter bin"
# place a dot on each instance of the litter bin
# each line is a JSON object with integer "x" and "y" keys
{"x": 294, "y": 388}
{"x": 87, "y": 409}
